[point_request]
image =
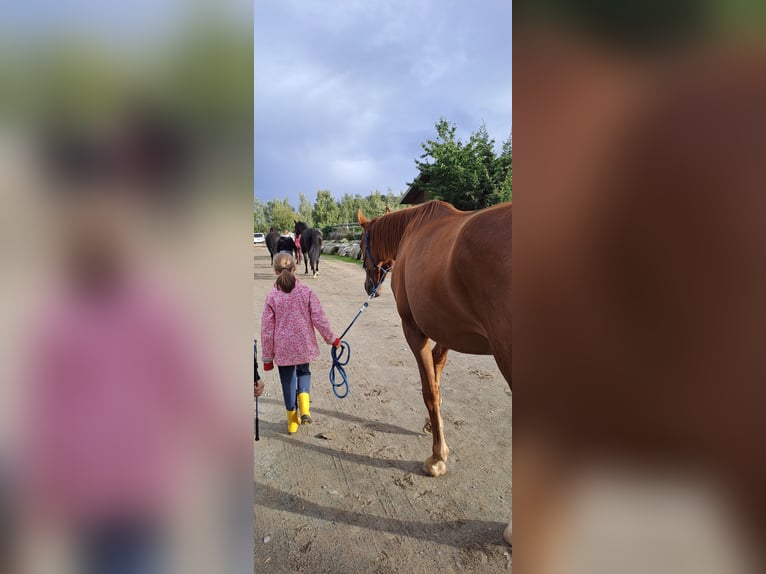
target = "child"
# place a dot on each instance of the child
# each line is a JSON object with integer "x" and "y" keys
{"x": 123, "y": 406}
{"x": 290, "y": 315}
{"x": 298, "y": 253}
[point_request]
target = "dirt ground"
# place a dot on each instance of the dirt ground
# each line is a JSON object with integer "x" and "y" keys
{"x": 347, "y": 494}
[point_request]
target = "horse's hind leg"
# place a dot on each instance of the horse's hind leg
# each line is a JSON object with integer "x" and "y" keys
{"x": 439, "y": 357}
{"x": 436, "y": 464}
{"x": 315, "y": 264}
{"x": 503, "y": 353}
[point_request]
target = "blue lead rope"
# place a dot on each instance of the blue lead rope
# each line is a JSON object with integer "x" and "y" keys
{"x": 340, "y": 390}
{"x": 342, "y": 355}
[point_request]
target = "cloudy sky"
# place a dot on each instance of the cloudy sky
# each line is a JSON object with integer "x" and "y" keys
{"x": 347, "y": 90}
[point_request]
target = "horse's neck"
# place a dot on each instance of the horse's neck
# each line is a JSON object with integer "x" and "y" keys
{"x": 386, "y": 249}
{"x": 388, "y": 231}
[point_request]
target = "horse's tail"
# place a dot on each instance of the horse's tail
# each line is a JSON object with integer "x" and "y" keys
{"x": 316, "y": 247}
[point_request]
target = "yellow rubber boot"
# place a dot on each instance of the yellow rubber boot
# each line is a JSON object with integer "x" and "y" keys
{"x": 293, "y": 422}
{"x": 304, "y": 408}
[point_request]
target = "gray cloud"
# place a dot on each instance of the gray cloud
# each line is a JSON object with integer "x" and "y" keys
{"x": 345, "y": 92}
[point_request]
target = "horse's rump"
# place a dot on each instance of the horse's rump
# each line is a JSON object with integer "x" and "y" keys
{"x": 481, "y": 258}
{"x": 272, "y": 238}
{"x": 463, "y": 260}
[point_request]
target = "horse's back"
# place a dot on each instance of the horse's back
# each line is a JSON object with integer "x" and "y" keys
{"x": 462, "y": 260}
{"x": 484, "y": 235}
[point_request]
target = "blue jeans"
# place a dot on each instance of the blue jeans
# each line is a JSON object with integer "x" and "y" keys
{"x": 123, "y": 548}
{"x": 295, "y": 379}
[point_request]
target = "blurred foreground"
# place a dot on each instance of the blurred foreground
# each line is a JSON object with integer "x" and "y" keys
{"x": 639, "y": 323}
{"x": 126, "y": 178}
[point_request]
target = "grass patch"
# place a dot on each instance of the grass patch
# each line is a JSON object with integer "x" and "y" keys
{"x": 340, "y": 258}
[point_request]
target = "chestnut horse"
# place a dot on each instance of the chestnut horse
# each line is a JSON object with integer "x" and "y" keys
{"x": 452, "y": 285}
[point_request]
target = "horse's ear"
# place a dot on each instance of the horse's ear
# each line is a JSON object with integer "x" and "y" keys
{"x": 388, "y": 210}
{"x": 361, "y": 218}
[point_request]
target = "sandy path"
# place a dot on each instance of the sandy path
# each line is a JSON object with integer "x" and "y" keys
{"x": 357, "y": 501}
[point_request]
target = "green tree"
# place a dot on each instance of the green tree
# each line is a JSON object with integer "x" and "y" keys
{"x": 392, "y": 199}
{"x": 346, "y": 208}
{"x": 260, "y": 218}
{"x": 326, "y": 210}
{"x": 442, "y": 168}
{"x": 504, "y": 172}
{"x": 481, "y": 161}
{"x": 376, "y": 205}
{"x": 281, "y": 214}
{"x": 467, "y": 175}
{"x": 357, "y": 204}
{"x": 305, "y": 210}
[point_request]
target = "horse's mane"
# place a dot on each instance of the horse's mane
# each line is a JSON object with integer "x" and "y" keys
{"x": 301, "y": 226}
{"x": 389, "y": 228}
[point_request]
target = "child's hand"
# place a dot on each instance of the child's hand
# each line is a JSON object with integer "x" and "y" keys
{"x": 258, "y": 388}
{"x": 268, "y": 366}
{"x": 336, "y": 343}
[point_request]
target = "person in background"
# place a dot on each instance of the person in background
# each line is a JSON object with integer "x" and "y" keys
{"x": 290, "y": 314}
{"x": 298, "y": 250}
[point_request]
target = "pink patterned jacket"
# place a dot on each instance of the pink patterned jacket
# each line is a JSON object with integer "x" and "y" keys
{"x": 288, "y": 323}
{"x": 117, "y": 391}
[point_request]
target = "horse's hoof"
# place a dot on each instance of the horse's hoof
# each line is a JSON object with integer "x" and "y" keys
{"x": 507, "y": 534}
{"x": 434, "y": 467}
{"x": 427, "y": 427}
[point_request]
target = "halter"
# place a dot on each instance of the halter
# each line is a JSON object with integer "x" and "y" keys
{"x": 368, "y": 253}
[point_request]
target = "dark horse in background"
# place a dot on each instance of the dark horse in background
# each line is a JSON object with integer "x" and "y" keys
{"x": 272, "y": 238}
{"x": 452, "y": 285}
{"x": 311, "y": 244}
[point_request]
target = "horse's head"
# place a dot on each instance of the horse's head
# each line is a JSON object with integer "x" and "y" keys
{"x": 299, "y": 227}
{"x": 374, "y": 267}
